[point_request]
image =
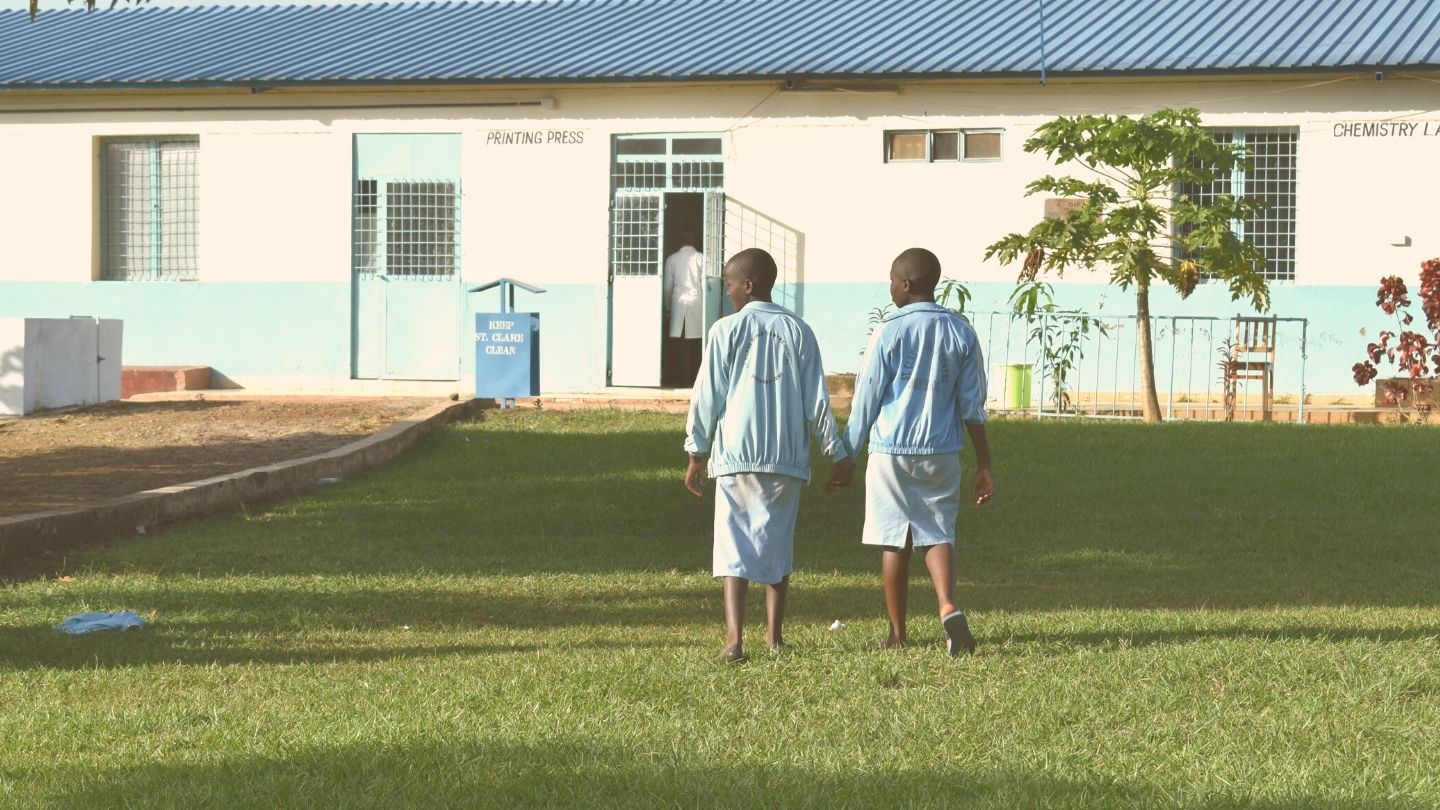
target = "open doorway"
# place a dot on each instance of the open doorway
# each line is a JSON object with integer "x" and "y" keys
{"x": 683, "y": 320}
{"x": 666, "y": 189}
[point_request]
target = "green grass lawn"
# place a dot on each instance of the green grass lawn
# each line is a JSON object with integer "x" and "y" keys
{"x": 520, "y": 613}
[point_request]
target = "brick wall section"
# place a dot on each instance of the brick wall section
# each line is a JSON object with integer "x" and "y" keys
{"x": 154, "y": 379}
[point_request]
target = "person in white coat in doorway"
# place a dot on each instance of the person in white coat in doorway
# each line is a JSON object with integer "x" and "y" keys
{"x": 684, "y": 311}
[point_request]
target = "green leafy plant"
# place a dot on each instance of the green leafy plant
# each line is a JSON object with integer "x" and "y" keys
{"x": 1060, "y": 335}
{"x": 877, "y": 316}
{"x": 946, "y": 291}
{"x": 951, "y": 290}
{"x": 873, "y": 321}
{"x": 1132, "y": 220}
{"x": 1227, "y": 367}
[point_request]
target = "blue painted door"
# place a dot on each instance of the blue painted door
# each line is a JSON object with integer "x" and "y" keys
{"x": 406, "y": 257}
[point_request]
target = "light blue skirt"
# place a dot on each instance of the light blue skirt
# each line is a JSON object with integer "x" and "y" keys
{"x": 755, "y": 526}
{"x": 918, "y": 495}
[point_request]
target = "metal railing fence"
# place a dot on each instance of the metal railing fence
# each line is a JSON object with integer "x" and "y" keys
{"x": 1085, "y": 365}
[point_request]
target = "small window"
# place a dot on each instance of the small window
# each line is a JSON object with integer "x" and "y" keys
{"x": 982, "y": 145}
{"x": 695, "y": 146}
{"x": 941, "y": 146}
{"x": 944, "y": 146}
{"x": 905, "y": 146}
{"x": 688, "y": 161}
{"x": 640, "y": 146}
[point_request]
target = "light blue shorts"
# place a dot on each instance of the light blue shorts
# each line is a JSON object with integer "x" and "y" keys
{"x": 918, "y": 495}
{"x": 755, "y": 526}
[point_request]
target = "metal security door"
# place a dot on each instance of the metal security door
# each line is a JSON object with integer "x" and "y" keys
{"x": 713, "y": 298}
{"x": 407, "y": 293}
{"x": 636, "y": 223}
{"x": 422, "y": 292}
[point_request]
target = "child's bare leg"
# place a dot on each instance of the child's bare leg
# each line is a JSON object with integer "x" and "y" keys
{"x": 733, "y": 589}
{"x": 775, "y": 596}
{"x": 895, "y": 570}
{"x": 940, "y": 560}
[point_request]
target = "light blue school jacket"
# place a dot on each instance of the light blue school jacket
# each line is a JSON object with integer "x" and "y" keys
{"x": 760, "y": 395}
{"x": 923, "y": 379}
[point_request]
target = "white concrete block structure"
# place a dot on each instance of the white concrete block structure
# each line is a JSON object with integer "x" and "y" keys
{"x": 50, "y": 363}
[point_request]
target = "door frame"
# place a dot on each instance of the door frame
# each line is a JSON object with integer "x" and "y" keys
{"x": 419, "y": 160}
{"x": 659, "y": 164}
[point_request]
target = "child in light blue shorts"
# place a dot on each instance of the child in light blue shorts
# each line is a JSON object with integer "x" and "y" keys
{"x": 758, "y": 399}
{"x": 922, "y": 389}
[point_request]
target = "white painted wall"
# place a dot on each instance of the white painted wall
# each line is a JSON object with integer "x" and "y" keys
{"x": 536, "y": 213}
{"x": 45, "y": 209}
{"x": 275, "y": 205}
{"x": 275, "y": 184}
{"x": 275, "y": 195}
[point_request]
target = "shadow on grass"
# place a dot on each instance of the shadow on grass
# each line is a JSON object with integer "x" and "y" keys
{"x": 1145, "y": 638}
{"x": 278, "y": 624}
{"x": 283, "y": 623}
{"x": 1087, "y": 516}
{"x": 572, "y": 772}
{"x": 204, "y": 645}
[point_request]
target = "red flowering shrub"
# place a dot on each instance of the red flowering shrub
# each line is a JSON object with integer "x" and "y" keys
{"x": 1415, "y": 355}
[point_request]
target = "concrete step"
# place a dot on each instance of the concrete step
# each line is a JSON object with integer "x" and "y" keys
{"x": 154, "y": 379}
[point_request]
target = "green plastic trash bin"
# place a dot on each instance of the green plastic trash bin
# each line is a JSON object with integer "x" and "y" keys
{"x": 1017, "y": 386}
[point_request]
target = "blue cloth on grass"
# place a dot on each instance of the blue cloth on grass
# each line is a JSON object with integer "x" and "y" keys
{"x": 82, "y": 623}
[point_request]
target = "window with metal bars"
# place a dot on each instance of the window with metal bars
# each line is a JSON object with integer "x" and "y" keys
{"x": 149, "y": 208}
{"x": 411, "y": 229}
{"x": 367, "y": 227}
{"x": 683, "y": 162}
{"x": 635, "y": 237}
{"x": 420, "y": 228}
{"x": 696, "y": 175}
{"x": 1270, "y": 178}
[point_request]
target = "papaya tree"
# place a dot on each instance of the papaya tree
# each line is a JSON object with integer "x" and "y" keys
{"x": 1129, "y": 218}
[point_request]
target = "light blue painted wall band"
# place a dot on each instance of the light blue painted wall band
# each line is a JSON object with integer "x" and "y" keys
{"x": 302, "y": 329}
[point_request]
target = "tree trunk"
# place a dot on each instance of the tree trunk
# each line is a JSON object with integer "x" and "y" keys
{"x": 1147, "y": 351}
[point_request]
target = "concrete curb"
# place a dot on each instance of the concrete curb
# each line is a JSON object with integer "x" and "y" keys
{"x": 57, "y": 530}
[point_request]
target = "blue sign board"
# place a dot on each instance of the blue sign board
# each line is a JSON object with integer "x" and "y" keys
{"x": 507, "y": 354}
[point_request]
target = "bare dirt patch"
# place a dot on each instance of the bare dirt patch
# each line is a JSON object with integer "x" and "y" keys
{"x": 66, "y": 459}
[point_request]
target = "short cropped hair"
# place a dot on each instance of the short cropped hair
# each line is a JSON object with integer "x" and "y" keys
{"x": 920, "y": 266}
{"x": 757, "y": 265}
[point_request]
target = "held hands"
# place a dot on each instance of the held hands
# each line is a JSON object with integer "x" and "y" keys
{"x": 983, "y": 487}
{"x": 841, "y": 473}
{"x": 695, "y": 476}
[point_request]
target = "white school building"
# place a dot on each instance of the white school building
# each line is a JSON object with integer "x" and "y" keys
{"x": 302, "y": 196}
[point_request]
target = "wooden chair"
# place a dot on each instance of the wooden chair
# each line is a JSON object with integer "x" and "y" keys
{"x": 1252, "y": 357}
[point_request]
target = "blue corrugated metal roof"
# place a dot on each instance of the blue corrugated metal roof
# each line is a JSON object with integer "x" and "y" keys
{"x": 657, "y": 40}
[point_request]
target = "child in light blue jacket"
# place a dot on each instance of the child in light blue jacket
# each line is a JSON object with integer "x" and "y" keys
{"x": 758, "y": 399}
{"x": 921, "y": 390}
